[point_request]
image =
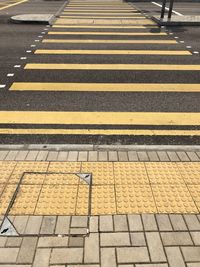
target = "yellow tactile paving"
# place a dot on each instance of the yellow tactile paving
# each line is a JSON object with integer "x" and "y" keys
{"x": 60, "y": 179}
{"x": 82, "y": 200}
{"x": 190, "y": 172}
{"x": 6, "y": 169}
{"x": 68, "y": 167}
{"x": 6, "y": 197}
{"x": 195, "y": 193}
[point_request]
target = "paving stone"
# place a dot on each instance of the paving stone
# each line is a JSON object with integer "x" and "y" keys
{"x": 62, "y": 225}
{"x": 153, "y": 156}
{"x": 123, "y": 156}
{"x": 142, "y": 155}
{"x": 193, "y": 156}
{"x": 79, "y": 221}
{"x": 21, "y": 155}
{"x": 163, "y": 222}
{"x": 79, "y": 265}
{"x": 132, "y": 156}
{"x": 92, "y": 156}
{"x": 183, "y": 156}
{"x": 82, "y": 156}
{"x": 52, "y": 156}
{"x": 108, "y": 257}
{"x": 78, "y": 231}
{"x": 132, "y": 254}
{"x": 138, "y": 239}
{"x": 72, "y": 156}
{"x": 106, "y": 223}
{"x": 3, "y": 240}
{"x": 13, "y": 242}
{"x": 176, "y": 239}
{"x": 62, "y": 156}
{"x": 178, "y": 222}
{"x": 149, "y": 222}
{"x": 42, "y": 155}
{"x": 53, "y": 241}
{"x": 114, "y": 239}
{"x": 20, "y": 223}
{"x": 27, "y": 250}
{"x": 163, "y": 156}
{"x": 14, "y": 265}
{"x": 3, "y": 154}
{"x": 66, "y": 255}
{"x": 103, "y": 156}
{"x": 112, "y": 156}
{"x": 94, "y": 224}
{"x": 194, "y": 264}
{"x": 91, "y": 248}
{"x": 48, "y": 225}
{"x": 196, "y": 238}
{"x": 173, "y": 156}
{"x": 32, "y": 155}
{"x": 8, "y": 255}
{"x": 126, "y": 265}
{"x": 192, "y": 222}
{"x": 11, "y": 155}
{"x": 135, "y": 223}
{"x": 120, "y": 223}
{"x": 42, "y": 258}
{"x": 76, "y": 241}
{"x": 155, "y": 247}
{"x": 152, "y": 265}
{"x": 191, "y": 253}
{"x": 174, "y": 257}
{"x": 33, "y": 225}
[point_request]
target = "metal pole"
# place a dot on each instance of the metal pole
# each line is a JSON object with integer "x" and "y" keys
{"x": 163, "y": 9}
{"x": 170, "y": 9}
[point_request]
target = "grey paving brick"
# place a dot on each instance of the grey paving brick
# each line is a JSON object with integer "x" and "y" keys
{"x": 32, "y": 155}
{"x": 191, "y": 253}
{"x": 193, "y": 264}
{"x": 78, "y": 231}
{"x": 91, "y": 248}
{"x": 192, "y": 222}
{"x": 3, "y": 154}
{"x": 42, "y": 155}
{"x": 106, "y": 223}
{"x": 21, "y": 155}
{"x": 42, "y": 257}
{"x": 126, "y": 265}
{"x": 193, "y": 156}
{"x": 48, "y": 225}
{"x": 79, "y": 265}
{"x": 112, "y": 156}
{"x": 3, "y": 240}
{"x": 76, "y": 241}
{"x": 164, "y": 223}
{"x": 33, "y": 225}
{"x": 174, "y": 257}
{"x": 123, "y": 156}
{"x": 27, "y": 250}
{"x": 114, "y": 239}
{"x": 132, "y": 156}
{"x": 196, "y": 238}
{"x": 198, "y": 154}
{"x": 20, "y": 223}
{"x": 155, "y": 247}
{"x": 94, "y": 224}
{"x": 92, "y": 156}
{"x": 132, "y": 254}
{"x": 72, "y": 156}
{"x": 153, "y": 156}
{"x": 13, "y": 242}
{"x": 79, "y": 221}
{"x": 103, "y": 156}
{"x": 53, "y": 241}
{"x": 108, "y": 257}
{"x": 183, "y": 156}
{"x": 176, "y": 239}
{"x": 163, "y": 156}
{"x": 62, "y": 225}
{"x": 52, "y": 156}
{"x": 178, "y": 222}
{"x": 142, "y": 155}
{"x": 149, "y": 222}
{"x": 83, "y": 156}
{"x": 15, "y": 265}
{"x": 62, "y": 156}
{"x": 138, "y": 239}
{"x": 8, "y": 255}
{"x": 135, "y": 223}
{"x": 152, "y": 265}
{"x": 173, "y": 156}
{"x": 66, "y": 255}
{"x": 120, "y": 223}
{"x": 11, "y": 155}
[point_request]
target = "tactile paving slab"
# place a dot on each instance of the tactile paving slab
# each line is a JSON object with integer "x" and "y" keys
{"x": 190, "y": 172}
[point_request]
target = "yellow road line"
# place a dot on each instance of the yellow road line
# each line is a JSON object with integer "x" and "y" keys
{"x": 102, "y": 26}
{"x": 105, "y": 87}
{"x": 101, "y": 17}
{"x": 110, "y": 33}
{"x": 100, "y": 10}
{"x": 99, "y": 118}
{"x": 114, "y": 52}
{"x": 20, "y": 2}
{"x": 99, "y": 14}
{"x": 101, "y": 132}
{"x": 104, "y": 21}
{"x": 110, "y": 41}
{"x": 150, "y": 67}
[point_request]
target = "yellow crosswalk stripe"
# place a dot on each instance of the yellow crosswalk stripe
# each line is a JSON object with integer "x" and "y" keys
{"x": 14, "y": 4}
{"x": 105, "y": 21}
{"x": 99, "y": 118}
{"x": 114, "y": 52}
{"x": 104, "y": 26}
{"x": 110, "y": 33}
{"x": 101, "y": 17}
{"x": 105, "y": 87}
{"x": 97, "y": 13}
{"x": 149, "y": 67}
{"x": 100, "y": 132}
{"x": 110, "y": 41}
{"x": 100, "y": 12}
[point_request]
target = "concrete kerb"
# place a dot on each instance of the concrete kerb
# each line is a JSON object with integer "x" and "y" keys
{"x": 33, "y": 18}
{"x": 178, "y": 21}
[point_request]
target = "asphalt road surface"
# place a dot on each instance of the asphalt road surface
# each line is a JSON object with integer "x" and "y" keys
{"x": 104, "y": 73}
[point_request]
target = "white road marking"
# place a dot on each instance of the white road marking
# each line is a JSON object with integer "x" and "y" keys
{"x": 10, "y": 74}
{"x": 175, "y": 12}
{"x": 23, "y": 57}
{"x": 196, "y": 52}
{"x": 2, "y": 85}
{"x": 17, "y": 66}
{"x": 33, "y": 45}
{"x": 28, "y": 51}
